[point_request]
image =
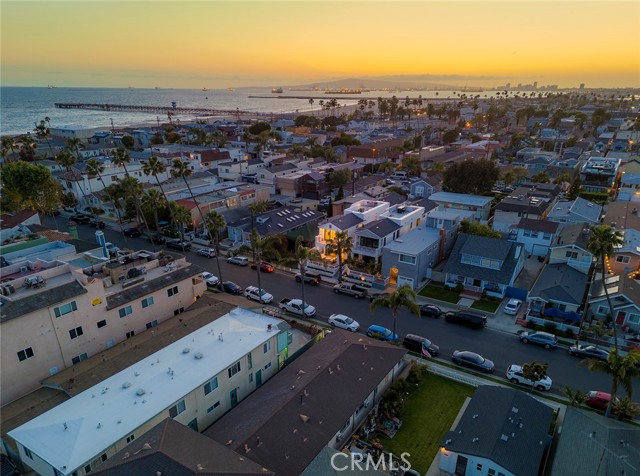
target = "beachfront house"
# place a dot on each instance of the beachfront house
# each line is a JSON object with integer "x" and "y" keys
{"x": 479, "y": 205}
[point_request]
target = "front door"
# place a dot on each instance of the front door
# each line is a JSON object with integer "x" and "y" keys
{"x": 461, "y": 466}
{"x": 258, "y": 378}
{"x": 193, "y": 424}
{"x": 234, "y": 397}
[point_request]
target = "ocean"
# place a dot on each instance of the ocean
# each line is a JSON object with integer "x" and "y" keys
{"x": 21, "y": 108}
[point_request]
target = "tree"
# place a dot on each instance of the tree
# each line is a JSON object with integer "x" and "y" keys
{"x": 155, "y": 167}
{"x": 575, "y": 189}
{"x": 131, "y": 190}
{"x": 601, "y": 243}
{"x": 28, "y": 147}
{"x": 180, "y": 216}
{"x": 534, "y": 371}
{"x": 128, "y": 141}
{"x": 8, "y": 143}
{"x": 403, "y": 297}
{"x": 340, "y": 244}
{"x": 340, "y": 194}
{"x": 451, "y": 136}
{"x": 621, "y": 368}
{"x": 301, "y": 257}
{"x": 576, "y": 397}
{"x": 259, "y": 127}
{"x": 625, "y": 408}
{"x": 43, "y": 133}
{"x": 261, "y": 246}
{"x": 66, "y": 160}
{"x": 153, "y": 200}
{"x": 339, "y": 178}
{"x": 540, "y": 177}
{"x": 256, "y": 208}
{"x": 474, "y": 228}
{"x": 30, "y": 186}
{"x": 181, "y": 169}
{"x": 412, "y": 166}
{"x": 121, "y": 158}
{"x": 471, "y": 176}
{"x": 215, "y": 223}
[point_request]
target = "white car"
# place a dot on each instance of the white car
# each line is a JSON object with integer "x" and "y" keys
{"x": 210, "y": 279}
{"x": 514, "y": 375}
{"x": 512, "y": 307}
{"x": 344, "y": 322}
{"x": 207, "y": 252}
{"x": 260, "y": 295}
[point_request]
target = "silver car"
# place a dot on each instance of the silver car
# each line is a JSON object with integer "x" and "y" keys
{"x": 344, "y": 322}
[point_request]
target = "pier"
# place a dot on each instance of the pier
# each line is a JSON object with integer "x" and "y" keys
{"x": 174, "y": 110}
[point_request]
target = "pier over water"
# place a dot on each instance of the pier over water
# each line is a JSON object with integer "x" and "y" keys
{"x": 174, "y": 110}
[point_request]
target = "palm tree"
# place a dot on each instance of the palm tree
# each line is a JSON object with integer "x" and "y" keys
{"x": 340, "y": 244}
{"x": 261, "y": 246}
{"x": 43, "y": 133}
{"x": 179, "y": 216}
{"x": 576, "y": 397}
{"x": 256, "y": 208}
{"x": 215, "y": 223}
{"x": 180, "y": 169}
{"x": 301, "y": 256}
{"x": 601, "y": 244}
{"x": 28, "y": 147}
{"x": 73, "y": 145}
{"x": 154, "y": 200}
{"x": 621, "y": 368}
{"x": 66, "y": 160}
{"x": 155, "y": 167}
{"x": 404, "y": 296}
{"x": 121, "y": 158}
{"x": 8, "y": 143}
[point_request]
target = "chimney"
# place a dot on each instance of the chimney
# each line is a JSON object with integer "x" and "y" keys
{"x": 443, "y": 242}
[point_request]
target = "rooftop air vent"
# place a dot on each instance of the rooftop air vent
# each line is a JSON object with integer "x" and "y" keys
{"x": 198, "y": 355}
{"x": 140, "y": 392}
{"x": 126, "y": 385}
{"x": 186, "y": 350}
{"x": 504, "y": 437}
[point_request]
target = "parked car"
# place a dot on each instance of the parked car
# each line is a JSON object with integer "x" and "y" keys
{"x": 210, "y": 279}
{"x": 207, "y": 252}
{"x": 98, "y": 224}
{"x": 264, "y": 267}
{"x": 475, "y": 320}
{"x": 381, "y": 333}
{"x": 231, "y": 287}
{"x": 132, "y": 232}
{"x": 420, "y": 345}
{"x": 343, "y": 322}
{"x": 600, "y": 400}
{"x": 177, "y": 244}
{"x": 309, "y": 278}
{"x": 260, "y": 295}
{"x": 429, "y": 310}
{"x": 588, "y": 352}
{"x": 472, "y": 360}
{"x": 373, "y": 297}
{"x": 512, "y": 307}
{"x": 156, "y": 239}
{"x": 548, "y": 341}
{"x": 238, "y": 260}
{"x": 295, "y": 306}
{"x": 350, "y": 289}
{"x": 514, "y": 375}
{"x": 79, "y": 218}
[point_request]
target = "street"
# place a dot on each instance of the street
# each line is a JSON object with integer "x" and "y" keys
{"x": 499, "y": 346}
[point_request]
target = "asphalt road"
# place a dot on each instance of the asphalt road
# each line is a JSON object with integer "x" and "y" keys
{"x": 501, "y": 347}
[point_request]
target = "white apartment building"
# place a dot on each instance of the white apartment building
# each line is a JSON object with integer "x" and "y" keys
{"x": 69, "y": 313}
{"x": 194, "y": 380}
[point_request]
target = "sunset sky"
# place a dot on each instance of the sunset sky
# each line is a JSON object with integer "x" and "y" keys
{"x": 216, "y": 44}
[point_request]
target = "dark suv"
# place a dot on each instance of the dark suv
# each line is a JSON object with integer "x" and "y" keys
{"x": 309, "y": 278}
{"x": 476, "y": 320}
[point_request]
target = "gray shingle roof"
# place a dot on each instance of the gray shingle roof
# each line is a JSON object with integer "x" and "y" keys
{"x": 538, "y": 225}
{"x": 485, "y": 247}
{"x": 381, "y": 228}
{"x": 345, "y": 222}
{"x": 342, "y": 360}
{"x": 48, "y": 296}
{"x": 560, "y": 282}
{"x": 490, "y": 428}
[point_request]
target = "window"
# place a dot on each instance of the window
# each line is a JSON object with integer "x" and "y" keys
{"x": 546, "y": 236}
{"x": 130, "y": 438}
{"x": 407, "y": 259}
{"x": 77, "y": 332}
{"x": 65, "y": 309}
{"x": 491, "y": 472}
{"x": 267, "y": 366}
{"x": 267, "y": 346}
{"x": 102, "y": 323}
{"x": 571, "y": 254}
{"x": 603, "y": 310}
{"x": 177, "y": 409}
{"x": 251, "y": 377}
{"x": 130, "y": 334}
{"x": 146, "y": 302}
{"x": 151, "y": 324}
{"x": 25, "y": 354}
{"x": 479, "y": 467}
{"x": 622, "y": 259}
{"x": 213, "y": 407}
{"x": 27, "y": 452}
{"x": 178, "y": 311}
{"x": 249, "y": 361}
{"x": 172, "y": 291}
{"x": 125, "y": 311}
{"x": 234, "y": 369}
{"x": 633, "y": 318}
{"x": 87, "y": 468}
{"x": 79, "y": 358}
{"x": 103, "y": 458}
{"x": 419, "y": 191}
{"x": 211, "y": 385}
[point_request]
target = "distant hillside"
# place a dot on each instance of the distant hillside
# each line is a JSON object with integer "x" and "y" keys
{"x": 381, "y": 82}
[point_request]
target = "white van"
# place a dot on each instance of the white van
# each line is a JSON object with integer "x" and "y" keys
{"x": 399, "y": 175}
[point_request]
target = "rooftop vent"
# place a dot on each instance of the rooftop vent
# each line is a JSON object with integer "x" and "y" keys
{"x": 198, "y": 355}
{"x": 514, "y": 409}
{"x": 186, "y": 350}
{"x": 504, "y": 437}
{"x": 140, "y": 392}
{"x": 126, "y": 385}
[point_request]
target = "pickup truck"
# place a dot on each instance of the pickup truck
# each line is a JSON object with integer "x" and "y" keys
{"x": 294, "y": 306}
{"x": 350, "y": 289}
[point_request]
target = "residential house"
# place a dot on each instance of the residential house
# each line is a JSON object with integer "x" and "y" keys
{"x": 630, "y": 181}
{"x": 370, "y": 239}
{"x": 286, "y": 423}
{"x": 535, "y": 235}
{"x": 267, "y": 175}
{"x": 178, "y": 450}
{"x": 622, "y": 215}
{"x": 376, "y": 152}
{"x": 566, "y": 165}
{"x": 624, "y": 292}
{"x": 410, "y": 258}
{"x": 484, "y": 265}
{"x": 600, "y": 174}
{"x": 502, "y": 432}
{"x": 626, "y": 258}
{"x": 211, "y": 159}
{"x": 480, "y": 205}
{"x": 576, "y": 211}
{"x": 194, "y": 380}
{"x": 570, "y": 247}
{"x": 236, "y": 170}
{"x": 82, "y": 307}
{"x": 594, "y": 444}
{"x": 291, "y": 185}
{"x": 423, "y": 188}
{"x": 524, "y": 202}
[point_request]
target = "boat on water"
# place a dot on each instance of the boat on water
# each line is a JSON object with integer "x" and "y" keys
{"x": 231, "y": 89}
{"x": 205, "y": 89}
{"x": 50, "y": 86}
{"x": 277, "y": 90}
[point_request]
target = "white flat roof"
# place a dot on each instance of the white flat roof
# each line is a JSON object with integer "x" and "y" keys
{"x": 461, "y": 198}
{"x": 414, "y": 242}
{"x": 105, "y": 413}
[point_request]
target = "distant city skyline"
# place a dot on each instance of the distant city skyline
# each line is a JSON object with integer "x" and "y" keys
{"x": 219, "y": 44}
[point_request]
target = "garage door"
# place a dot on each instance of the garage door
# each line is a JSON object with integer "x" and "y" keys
{"x": 402, "y": 281}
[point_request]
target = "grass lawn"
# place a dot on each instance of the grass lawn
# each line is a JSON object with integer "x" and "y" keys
{"x": 440, "y": 292}
{"x": 484, "y": 305}
{"x": 428, "y": 415}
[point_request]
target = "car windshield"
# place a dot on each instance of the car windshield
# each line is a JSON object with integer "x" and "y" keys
{"x": 476, "y": 358}
{"x": 426, "y": 343}
{"x": 262, "y": 292}
{"x": 385, "y": 332}
{"x": 348, "y": 320}
{"x": 307, "y": 306}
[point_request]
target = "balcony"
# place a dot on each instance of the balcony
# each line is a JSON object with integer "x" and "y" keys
{"x": 366, "y": 251}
